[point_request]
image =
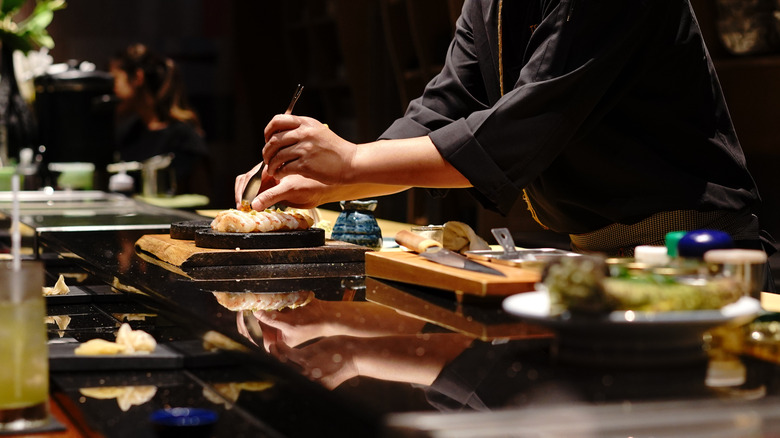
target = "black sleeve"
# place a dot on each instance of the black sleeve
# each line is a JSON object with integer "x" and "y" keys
{"x": 575, "y": 69}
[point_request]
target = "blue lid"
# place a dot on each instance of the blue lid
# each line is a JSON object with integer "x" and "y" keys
{"x": 695, "y": 243}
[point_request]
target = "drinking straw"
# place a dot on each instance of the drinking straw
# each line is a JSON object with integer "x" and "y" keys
{"x": 16, "y": 237}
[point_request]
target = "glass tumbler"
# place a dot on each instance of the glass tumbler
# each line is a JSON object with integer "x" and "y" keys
{"x": 433, "y": 232}
{"x": 24, "y": 380}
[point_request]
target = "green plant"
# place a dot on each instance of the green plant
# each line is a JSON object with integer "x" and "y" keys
{"x": 29, "y": 33}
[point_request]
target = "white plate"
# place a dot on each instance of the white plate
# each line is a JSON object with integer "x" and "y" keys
{"x": 627, "y": 338}
{"x": 535, "y": 307}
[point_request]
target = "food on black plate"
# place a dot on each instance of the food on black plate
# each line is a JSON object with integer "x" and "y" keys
{"x": 128, "y": 341}
{"x": 239, "y": 221}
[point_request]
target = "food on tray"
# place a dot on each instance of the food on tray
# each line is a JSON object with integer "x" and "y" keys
{"x": 580, "y": 284}
{"x": 135, "y": 340}
{"x": 127, "y": 341}
{"x": 126, "y": 396}
{"x": 238, "y": 221}
{"x": 99, "y": 347}
{"x": 460, "y": 237}
{"x": 238, "y": 301}
{"x": 60, "y": 288}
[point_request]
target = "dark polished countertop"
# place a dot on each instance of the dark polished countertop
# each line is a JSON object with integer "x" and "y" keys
{"x": 366, "y": 357}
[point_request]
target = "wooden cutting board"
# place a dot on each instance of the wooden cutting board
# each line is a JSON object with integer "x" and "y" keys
{"x": 409, "y": 267}
{"x": 185, "y": 255}
{"x": 486, "y": 322}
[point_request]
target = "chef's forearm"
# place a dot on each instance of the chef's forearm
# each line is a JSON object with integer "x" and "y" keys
{"x": 362, "y": 190}
{"x": 412, "y": 162}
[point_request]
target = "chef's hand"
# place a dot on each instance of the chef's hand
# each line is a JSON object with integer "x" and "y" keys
{"x": 243, "y": 179}
{"x": 330, "y": 361}
{"x": 304, "y": 146}
{"x": 322, "y": 318}
{"x": 296, "y": 326}
{"x": 293, "y": 191}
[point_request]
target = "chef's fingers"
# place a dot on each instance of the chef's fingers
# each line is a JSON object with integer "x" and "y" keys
{"x": 242, "y": 328}
{"x": 279, "y": 123}
{"x": 281, "y": 143}
{"x": 271, "y": 197}
{"x": 292, "y": 191}
{"x": 312, "y": 150}
{"x": 291, "y": 132}
{"x": 282, "y": 158}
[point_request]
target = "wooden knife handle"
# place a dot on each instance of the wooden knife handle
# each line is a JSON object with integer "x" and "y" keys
{"x": 415, "y": 242}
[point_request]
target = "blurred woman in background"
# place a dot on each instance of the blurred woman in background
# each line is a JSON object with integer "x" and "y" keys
{"x": 154, "y": 117}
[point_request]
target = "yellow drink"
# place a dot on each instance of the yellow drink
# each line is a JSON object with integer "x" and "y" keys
{"x": 24, "y": 363}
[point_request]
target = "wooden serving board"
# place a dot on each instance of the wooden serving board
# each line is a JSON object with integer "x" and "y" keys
{"x": 409, "y": 267}
{"x": 185, "y": 255}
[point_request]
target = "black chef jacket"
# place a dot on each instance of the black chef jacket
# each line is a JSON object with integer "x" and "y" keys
{"x": 611, "y": 112}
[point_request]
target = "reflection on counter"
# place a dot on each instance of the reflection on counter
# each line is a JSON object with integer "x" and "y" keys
{"x": 459, "y": 354}
{"x": 228, "y": 393}
{"x": 126, "y": 396}
{"x": 238, "y": 301}
{"x": 334, "y": 341}
{"x": 482, "y": 318}
{"x": 115, "y": 404}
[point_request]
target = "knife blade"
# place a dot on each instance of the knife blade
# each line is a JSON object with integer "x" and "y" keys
{"x": 253, "y": 186}
{"x": 434, "y": 251}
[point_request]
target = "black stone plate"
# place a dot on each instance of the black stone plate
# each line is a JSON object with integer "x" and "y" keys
{"x": 209, "y": 238}
{"x": 185, "y": 230}
{"x": 63, "y": 358}
{"x": 76, "y": 295}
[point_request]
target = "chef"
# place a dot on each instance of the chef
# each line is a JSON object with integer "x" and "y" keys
{"x": 606, "y": 117}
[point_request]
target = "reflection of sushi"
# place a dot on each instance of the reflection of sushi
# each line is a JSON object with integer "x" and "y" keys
{"x": 126, "y": 396}
{"x": 237, "y": 301}
{"x": 126, "y": 317}
{"x": 224, "y": 393}
{"x": 213, "y": 341}
{"x": 62, "y": 322}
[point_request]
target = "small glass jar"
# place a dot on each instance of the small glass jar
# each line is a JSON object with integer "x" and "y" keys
{"x": 433, "y": 232}
{"x": 356, "y": 224}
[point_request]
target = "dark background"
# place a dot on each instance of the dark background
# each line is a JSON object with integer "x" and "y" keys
{"x": 361, "y": 61}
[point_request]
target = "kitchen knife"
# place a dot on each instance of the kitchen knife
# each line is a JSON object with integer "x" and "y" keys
{"x": 433, "y": 250}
